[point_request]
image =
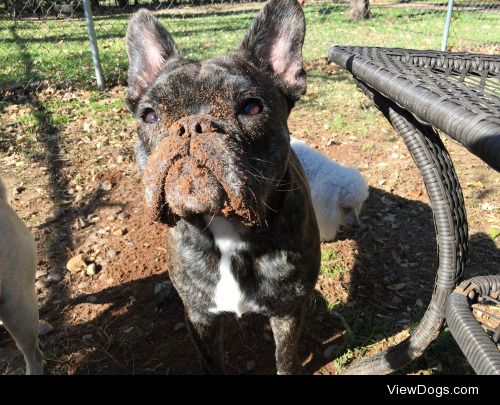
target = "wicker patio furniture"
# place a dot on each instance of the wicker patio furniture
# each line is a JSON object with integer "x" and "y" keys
{"x": 420, "y": 92}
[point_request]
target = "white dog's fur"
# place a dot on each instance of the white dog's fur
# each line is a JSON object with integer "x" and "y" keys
{"x": 18, "y": 300}
{"x": 338, "y": 192}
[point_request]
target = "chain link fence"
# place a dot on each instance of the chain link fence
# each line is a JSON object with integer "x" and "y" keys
{"x": 45, "y": 41}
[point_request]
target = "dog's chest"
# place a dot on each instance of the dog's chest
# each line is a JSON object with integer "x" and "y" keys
{"x": 228, "y": 295}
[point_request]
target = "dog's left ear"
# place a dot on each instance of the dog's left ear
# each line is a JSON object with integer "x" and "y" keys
{"x": 274, "y": 42}
{"x": 149, "y": 46}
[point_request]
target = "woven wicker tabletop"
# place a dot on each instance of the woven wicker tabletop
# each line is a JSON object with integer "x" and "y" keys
{"x": 456, "y": 93}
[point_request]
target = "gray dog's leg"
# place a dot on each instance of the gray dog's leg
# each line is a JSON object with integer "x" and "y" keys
{"x": 286, "y": 332}
{"x": 208, "y": 337}
{"x": 20, "y": 317}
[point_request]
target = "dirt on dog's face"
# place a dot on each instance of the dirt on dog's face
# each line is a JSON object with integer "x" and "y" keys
{"x": 212, "y": 135}
{"x": 215, "y": 142}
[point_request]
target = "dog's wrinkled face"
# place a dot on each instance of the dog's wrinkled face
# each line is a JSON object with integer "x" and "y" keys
{"x": 213, "y": 136}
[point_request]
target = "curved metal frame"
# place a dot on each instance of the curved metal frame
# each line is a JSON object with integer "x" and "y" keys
{"x": 450, "y": 221}
{"x": 482, "y": 354}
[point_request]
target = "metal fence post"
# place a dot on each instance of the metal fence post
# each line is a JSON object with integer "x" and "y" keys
{"x": 447, "y": 25}
{"x": 89, "y": 19}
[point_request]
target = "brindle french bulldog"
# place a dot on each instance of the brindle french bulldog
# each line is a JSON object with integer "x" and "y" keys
{"x": 214, "y": 150}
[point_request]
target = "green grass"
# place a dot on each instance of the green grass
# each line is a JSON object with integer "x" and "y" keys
{"x": 332, "y": 263}
{"x": 58, "y": 49}
{"x": 61, "y": 117}
{"x": 343, "y": 360}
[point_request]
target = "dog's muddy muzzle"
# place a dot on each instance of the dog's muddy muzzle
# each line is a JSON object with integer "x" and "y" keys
{"x": 198, "y": 170}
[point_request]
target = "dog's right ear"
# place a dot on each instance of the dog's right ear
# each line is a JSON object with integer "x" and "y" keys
{"x": 149, "y": 46}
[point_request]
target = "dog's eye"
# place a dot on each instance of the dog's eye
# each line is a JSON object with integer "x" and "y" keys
{"x": 149, "y": 116}
{"x": 252, "y": 107}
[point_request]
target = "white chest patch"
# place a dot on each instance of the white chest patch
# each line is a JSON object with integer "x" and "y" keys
{"x": 228, "y": 296}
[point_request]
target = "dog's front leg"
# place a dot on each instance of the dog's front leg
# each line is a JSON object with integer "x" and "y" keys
{"x": 207, "y": 333}
{"x": 286, "y": 332}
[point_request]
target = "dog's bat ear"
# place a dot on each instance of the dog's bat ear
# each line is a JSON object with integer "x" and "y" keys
{"x": 274, "y": 42}
{"x": 149, "y": 46}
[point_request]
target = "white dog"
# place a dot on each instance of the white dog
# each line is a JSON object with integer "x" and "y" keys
{"x": 18, "y": 300}
{"x": 338, "y": 192}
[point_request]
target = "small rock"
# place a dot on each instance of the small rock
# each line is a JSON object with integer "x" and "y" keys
{"x": 76, "y": 263}
{"x": 123, "y": 215}
{"x": 78, "y": 198}
{"x": 42, "y": 284}
{"x": 106, "y": 186}
{"x": 111, "y": 253}
{"x": 91, "y": 298}
{"x": 328, "y": 353}
{"x": 91, "y": 269}
{"x": 40, "y": 274}
{"x": 178, "y": 326}
{"x": 19, "y": 189}
{"x": 50, "y": 219}
{"x": 80, "y": 223}
{"x": 44, "y": 328}
{"x": 131, "y": 300}
{"x": 119, "y": 159}
{"x": 120, "y": 231}
{"x": 82, "y": 285}
{"x": 419, "y": 303}
{"x": 250, "y": 365}
{"x": 54, "y": 277}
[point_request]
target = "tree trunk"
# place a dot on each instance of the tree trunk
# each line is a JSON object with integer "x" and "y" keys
{"x": 359, "y": 10}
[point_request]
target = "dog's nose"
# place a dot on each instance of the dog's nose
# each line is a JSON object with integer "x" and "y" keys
{"x": 193, "y": 125}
